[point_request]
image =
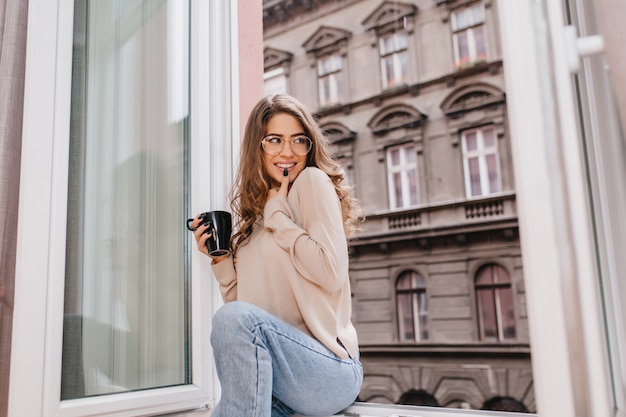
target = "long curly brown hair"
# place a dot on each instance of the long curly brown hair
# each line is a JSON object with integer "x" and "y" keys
{"x": 252, "y": 183}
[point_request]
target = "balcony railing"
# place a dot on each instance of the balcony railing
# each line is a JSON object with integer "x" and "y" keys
{"x": 463, "y": 216}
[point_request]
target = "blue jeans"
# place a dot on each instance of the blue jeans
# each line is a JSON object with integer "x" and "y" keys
{"x": 267, "y": 367}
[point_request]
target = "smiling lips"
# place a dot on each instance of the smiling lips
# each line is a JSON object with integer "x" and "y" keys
{"x": 285, "y": 167}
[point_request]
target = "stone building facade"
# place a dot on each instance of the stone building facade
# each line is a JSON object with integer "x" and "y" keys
{"x": 412, "y": 96}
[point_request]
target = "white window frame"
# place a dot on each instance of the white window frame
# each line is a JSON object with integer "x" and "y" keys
{"x": 334, "y": 79}
{"x": 481, "y": 153}
{"x": 275, "y": 81}
{"x": 35, "y": 379}
{"x": 469, "y": 29}
{"x": 557, "y": 245}
{"x": 402, "y": 168}
{"x": 395, "y": 55}
{"x": 565, "y": 311}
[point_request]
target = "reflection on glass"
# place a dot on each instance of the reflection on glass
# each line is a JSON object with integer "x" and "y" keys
{"x": 125, "y": 323}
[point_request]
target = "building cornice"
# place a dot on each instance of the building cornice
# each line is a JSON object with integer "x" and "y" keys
{"x": 478, "y": 349}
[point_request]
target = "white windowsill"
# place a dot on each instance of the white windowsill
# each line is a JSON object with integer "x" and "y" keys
{"x": 362, "y": 409}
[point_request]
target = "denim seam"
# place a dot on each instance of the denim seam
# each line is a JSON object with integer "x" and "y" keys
{"x": 258, "y": 383}
{"x": 333, "y": 356}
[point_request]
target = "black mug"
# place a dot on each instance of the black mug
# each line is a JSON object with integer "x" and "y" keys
{"x": 220, "y": 228}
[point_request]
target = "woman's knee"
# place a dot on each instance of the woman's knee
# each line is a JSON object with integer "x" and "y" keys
{"x": 233, "y": 315}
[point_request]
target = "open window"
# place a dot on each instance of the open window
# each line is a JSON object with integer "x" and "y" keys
{"x": 132, "y": 130}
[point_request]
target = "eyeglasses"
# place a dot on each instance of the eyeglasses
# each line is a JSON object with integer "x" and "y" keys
{"x": 300, "y": 145}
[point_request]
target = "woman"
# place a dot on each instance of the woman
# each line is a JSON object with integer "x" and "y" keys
{"x": 284, "y": 342}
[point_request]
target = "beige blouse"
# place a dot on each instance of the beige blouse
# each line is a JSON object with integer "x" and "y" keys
{"x": 295, "y": 264}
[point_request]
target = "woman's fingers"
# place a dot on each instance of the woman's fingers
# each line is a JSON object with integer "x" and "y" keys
{"x": 282, "y": 190}
{"x": 201, "y": 237}
{"x": 195, "y": 223}
{"x": 284, "y": 184}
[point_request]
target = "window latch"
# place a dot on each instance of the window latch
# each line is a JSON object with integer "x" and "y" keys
{"x": 577, "y": 47}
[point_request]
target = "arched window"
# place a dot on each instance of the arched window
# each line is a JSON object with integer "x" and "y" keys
{"x": 412, "y": 308}
{"x": 418, "y": 397}
{"x": 504, "y": 404}
{"x": 495, "y": 303}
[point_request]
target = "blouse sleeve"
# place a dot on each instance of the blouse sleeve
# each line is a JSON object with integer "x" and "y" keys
{"x": 318, "y": 247}
{"x": 227, "y": 278}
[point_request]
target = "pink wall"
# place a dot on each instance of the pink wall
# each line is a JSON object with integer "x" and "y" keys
{"x": 250, "y": 57}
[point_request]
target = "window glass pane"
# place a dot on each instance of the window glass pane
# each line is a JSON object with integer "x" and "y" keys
{"x": 478, "y": 15}
{"x": 423, "y": 315}
{"x": 322, "y": 66}
{"x": 324, "y": 84}
{"x": 479, "y": 42}
{"x": 412, "y": 178}
{"x": 388, "y": 72}
{"x": 492, "y": 170}
{"x": 274, "y": 82}
{"x": 417, "y": 281}
{"x": 397, "y": 183}
{"x": 329, "y": 64}
{"x": 463, "y": 47}
{"x": 403, "y": 60}
{"x": 404, "y": 282}
{"x": 471, "y": 141}
{"x": 474, "y": 174}
{"x": 338, "y": 90}
{"x": 488, "y": 138}
{"x": 401, "y": 41}
{"x": 125, "y": 323}
{"x": 386, "y": 45}
{"x": 487, "y": 311}
{"x": 405, "y": 317}
{"x": 460, "y": 20}
{"x": 336, "y": 63}
{"x": 486, "y": 276}
{"x": 499, "y": 275}
{"x": 505, "y": 296}
{"x": 394, "y": 156}
{"x": 410, "y": 155}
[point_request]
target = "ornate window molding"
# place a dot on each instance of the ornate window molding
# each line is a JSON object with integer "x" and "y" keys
{"x": 341, "y": 138}
{"x": 326, "y": 40}
{"x": 390, "y": 16}
{"x": 474, "y": 105}
{"x": 275, "y": 58}
{"x": 446, "y": 5}
{"x": 396, "y": 116}
{"x": 338, "y": 133}
{"x": 397, "y": 124}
